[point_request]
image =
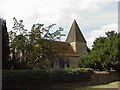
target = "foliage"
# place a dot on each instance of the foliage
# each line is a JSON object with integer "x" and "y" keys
{"x": 104, "y": 54}
{"x": 5, "y": 46}
{"x": 40, "y": 77}
{"x": 34, "y": 49}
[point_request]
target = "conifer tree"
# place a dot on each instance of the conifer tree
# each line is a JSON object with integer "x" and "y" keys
{"x": 5, "y": 46}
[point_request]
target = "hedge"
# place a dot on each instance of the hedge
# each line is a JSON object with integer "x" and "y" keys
{"x": 39, "y": 77}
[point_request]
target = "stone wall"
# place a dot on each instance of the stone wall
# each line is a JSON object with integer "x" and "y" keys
{"x": 104, "y": 77}
{"x": 73, "y": 61}
{"x": 73, "y": 44}
{"x": 81, "y": 48}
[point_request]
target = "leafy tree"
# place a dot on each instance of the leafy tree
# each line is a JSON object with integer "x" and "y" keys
{"x": 42, "y": 49}
{"x": 104, "y": 54}
{"x": 113, "y": 42}
{"x": 18, "y": 42}
{"x": 36, "y": 48}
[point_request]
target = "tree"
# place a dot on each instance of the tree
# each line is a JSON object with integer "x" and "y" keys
{"x": 112, "y": 44}
{"x": 42, "y": 46}
{"x": 5, "y": 46}
{"x": 104, "y": 54}
{"x": 37, "y": 47}
{"x": 18, "y": 41}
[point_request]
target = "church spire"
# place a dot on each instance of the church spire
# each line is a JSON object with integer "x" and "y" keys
{"x": 75, "y": 35}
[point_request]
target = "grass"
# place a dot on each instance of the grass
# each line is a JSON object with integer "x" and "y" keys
{"x": 95, "y": 87}
{"x": 109, "y": 85}
{"x": 99, "y": 87}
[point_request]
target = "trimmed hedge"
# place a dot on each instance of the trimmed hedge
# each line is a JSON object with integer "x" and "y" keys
{"x": 39, "y": 77}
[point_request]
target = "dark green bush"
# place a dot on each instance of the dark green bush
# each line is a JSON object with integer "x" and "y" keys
{"x": 39, "y": 77}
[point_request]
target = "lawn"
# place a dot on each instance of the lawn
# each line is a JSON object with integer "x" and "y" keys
{"x": 96, "y": 87}
{"x": 109, "y": 85}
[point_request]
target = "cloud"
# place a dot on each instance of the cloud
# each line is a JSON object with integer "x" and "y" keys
{"x": 90, "y": 14}
{"x": 100, "y": 32}
{"x": 32, "y": 11}
{"x": 46, "y": 11}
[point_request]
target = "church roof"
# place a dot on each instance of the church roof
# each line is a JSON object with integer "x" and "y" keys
{"x": 67, "y": 49}
{"x": 75, "y": 34}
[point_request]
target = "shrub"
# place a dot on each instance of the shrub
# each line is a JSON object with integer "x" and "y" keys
{"x": 40, "y": 77}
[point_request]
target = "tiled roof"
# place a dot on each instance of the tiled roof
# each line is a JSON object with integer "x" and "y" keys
{"x": 67, "y": 49}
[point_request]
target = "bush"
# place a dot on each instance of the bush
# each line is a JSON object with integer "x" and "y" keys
{"x": 40, "y": 77}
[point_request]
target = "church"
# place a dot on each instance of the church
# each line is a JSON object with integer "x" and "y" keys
{"x": 75, "y": 46}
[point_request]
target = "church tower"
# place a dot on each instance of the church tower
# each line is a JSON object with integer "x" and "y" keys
{"x": 76, "y": 39}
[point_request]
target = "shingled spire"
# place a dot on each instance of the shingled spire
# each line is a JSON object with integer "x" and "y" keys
{"x": 75, "y": 35}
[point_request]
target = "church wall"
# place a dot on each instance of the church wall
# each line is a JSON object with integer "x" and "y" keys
{"x": 74, "y": 61}
{"x": 56, "y": 64}
{"x": 73, "y": 44}
{"x": 81, "y": 48}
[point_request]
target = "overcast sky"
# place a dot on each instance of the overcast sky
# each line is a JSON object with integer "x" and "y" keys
{"x": 94, "y": 18}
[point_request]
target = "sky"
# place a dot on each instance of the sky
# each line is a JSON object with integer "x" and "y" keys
{"x": 93, "y": 17}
